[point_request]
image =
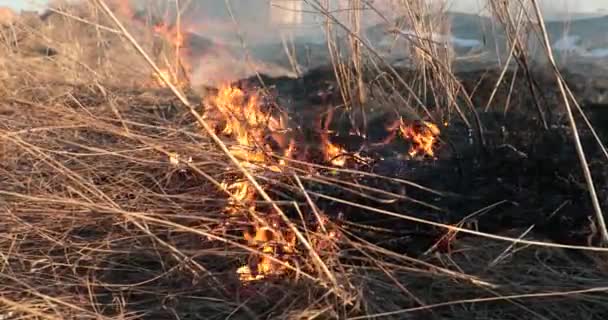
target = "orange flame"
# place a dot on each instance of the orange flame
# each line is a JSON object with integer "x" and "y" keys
{"x": 181, "y": 69}
{"x": 247, "y": 123}
{"x": 423, "y": 136}
{"x": 240, "y": 113}
{"x": 241, "y": 191}
{"x": 272, "y": 241}
{"x": 332, "y": 153}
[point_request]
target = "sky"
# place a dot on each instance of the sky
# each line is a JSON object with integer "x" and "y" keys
{"x": 23, "y": 4}
{"x": 550, "y": 7}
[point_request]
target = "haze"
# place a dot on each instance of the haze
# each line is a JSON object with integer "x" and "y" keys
{"x": 552, "y": 8}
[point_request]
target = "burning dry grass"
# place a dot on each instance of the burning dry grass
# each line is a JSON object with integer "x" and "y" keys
{"x": 104, "y": 222}
{"x": 116, "y": 205}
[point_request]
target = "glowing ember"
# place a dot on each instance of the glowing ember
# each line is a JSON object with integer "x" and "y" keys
{"x": 423, "y": 136}
{"x": 245, "y": 274}
{"x": 262, "y": 268}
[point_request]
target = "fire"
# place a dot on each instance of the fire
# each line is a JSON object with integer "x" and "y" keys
{"x": 272, "y": 241}
{"x": 423, "y": 136}
{"x": 332, "y": 153}
{"x": 241, "y": 191}
{"x": 173, "y": 34}
{"x": 234, "y": 113}
{"x": 122, "y": 7}
{"x": 241, "y": 114}
{"x": 289, "y": 152}
{"x": 238, "y": 115}
{"x": 269, "y": 239}
{"x": 177, "y": 71}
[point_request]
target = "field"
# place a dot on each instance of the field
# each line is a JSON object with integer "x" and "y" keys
{"x": 351, "y": 190}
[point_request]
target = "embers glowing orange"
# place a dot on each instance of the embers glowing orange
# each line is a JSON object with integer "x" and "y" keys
{"x": 262, "y": 268}
{"x": 423, "y": 136}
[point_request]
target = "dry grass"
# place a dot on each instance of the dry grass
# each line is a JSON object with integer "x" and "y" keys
{"x": 97, "y": 222}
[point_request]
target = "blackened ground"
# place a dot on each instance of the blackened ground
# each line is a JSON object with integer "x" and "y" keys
{"x": 526, "y": 176}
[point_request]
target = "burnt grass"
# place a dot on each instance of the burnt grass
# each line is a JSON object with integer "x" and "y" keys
{"x": 524, "y": 175}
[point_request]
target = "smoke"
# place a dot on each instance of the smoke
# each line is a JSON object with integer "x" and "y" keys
{"x": 233, "y": 39}
{"x": 552, "y": 9}
{"x": 267, "y": 21}
{"x": 256, "y": 35}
